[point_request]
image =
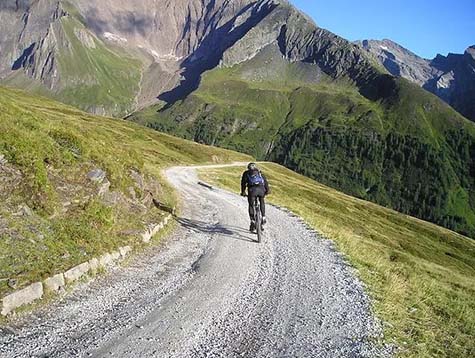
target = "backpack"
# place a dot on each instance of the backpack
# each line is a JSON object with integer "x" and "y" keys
{"x": 255, "y": 178}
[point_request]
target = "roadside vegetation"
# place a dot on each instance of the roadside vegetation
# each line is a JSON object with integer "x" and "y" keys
{"x": 421, "y": 276}
{"x": 52, "y": 215}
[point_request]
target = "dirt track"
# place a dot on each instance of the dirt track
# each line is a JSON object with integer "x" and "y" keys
{"x": 211, "y": 291}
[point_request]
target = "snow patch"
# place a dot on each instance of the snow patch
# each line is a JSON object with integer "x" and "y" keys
{"x": 384, "y": 48}
{"x": 112, "y": 37}
{"x": 171, "y": 56}
{"x": 158, "y": 57}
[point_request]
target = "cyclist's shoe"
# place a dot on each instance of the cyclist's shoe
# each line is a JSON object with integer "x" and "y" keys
{"x": 252, "y": 227}
{"x": 264, "y": 220}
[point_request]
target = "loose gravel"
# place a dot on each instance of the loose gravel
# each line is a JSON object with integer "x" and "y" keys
{"x": 212, "y": 291}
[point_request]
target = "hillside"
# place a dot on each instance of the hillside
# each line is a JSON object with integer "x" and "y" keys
{"x": 420, "y": 276}
{"x": 73, "y": 186}
{"x": 407, "y": 150}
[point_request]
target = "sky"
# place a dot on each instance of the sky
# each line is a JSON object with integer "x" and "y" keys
{"x": 423, "y": 26}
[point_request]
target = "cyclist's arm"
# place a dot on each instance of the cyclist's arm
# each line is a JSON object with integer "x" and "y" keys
{"x": 266, "y": 184}
{"x": 243, "y": 182}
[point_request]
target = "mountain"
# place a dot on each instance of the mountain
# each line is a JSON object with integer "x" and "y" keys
{"x": 451, "y": 77}
{"x": 111, "y": 57}
{"x": 291, "y": 92}
{"x": 46, "y": 48}
{"x": 255, "y": 76}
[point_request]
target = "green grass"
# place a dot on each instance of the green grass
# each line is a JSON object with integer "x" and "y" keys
{"x": 96, "y": 77}
{"x": 421, "y": 276}
{"x": 247, "y": 116}
{"x": 50, "y": 148}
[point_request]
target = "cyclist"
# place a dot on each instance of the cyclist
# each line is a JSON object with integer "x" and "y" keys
{"x": 257, "y": 186}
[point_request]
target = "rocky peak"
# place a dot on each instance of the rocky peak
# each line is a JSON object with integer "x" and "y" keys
{"x": 470, "y": 51}
{"x": 398, "y": 60}
{"x": 31, "y": 36}
{"x": 450, "y": 77}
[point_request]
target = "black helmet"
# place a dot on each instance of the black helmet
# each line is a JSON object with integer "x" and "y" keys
{"x": 252, "y": 166}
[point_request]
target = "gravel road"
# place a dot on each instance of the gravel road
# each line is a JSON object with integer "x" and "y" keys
{"x": 211, "y": 291}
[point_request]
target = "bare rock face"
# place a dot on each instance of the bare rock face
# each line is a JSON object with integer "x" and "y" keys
{"x": 30, "y": 37}
{"x": 452, "y": 77}
{"x": 167, "y": 29}
{"x": 175, "y": 42}
{"x": 471, "y": 52}
{"x": 400, "y": 61}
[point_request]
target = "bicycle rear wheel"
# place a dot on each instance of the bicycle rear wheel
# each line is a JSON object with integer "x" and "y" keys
{"x": 258, "y": 223}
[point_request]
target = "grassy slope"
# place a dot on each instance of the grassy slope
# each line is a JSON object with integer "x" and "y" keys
{"x": 96, "y": 77}
{"x": 409, "y": 151}
{"x": 235, "y": 113}
{"x": 53, "y": 146}
{"x": 421, "y": 276}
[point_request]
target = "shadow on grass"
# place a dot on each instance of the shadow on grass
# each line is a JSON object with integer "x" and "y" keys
{"x": 232, "y": 232}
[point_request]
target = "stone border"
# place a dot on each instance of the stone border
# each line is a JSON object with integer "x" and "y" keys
{"x": 57, "y": 283}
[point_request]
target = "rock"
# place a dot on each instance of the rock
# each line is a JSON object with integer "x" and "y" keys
{"x": 115, "y": 255}
{"x": 153, "y": 229}
{"x": 24, "y": 210}
{"x": 146, "y": 236}
{"x": 138, "y": 179}
{"x": 94, "y": 265}
{"x": 97, "y": 175}
{"x": 124, "y": 251}
{"x": 105, "y": 260}
{"x": 111, "y": 198}
{"x": 132, "y": 193}
{"x": 55, "y": 283}
{"x": 104, "y": 187}
{"x": 9, "y": 330}
{"x": 85, "y": 37}
{"x": 471, "y": 51}
{"x": 3, "y": 160}
{"x": 23, "y": 297}
{"x": 76, "y": 272}
{"x": 12, "y": 283}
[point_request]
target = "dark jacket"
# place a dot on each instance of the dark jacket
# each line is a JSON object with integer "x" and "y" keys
{"x": 245, "y": 181}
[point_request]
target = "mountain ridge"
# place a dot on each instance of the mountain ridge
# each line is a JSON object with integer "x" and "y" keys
{"x": 261, "y": 78}
{"x": 171, "y": 49}
{"x": 451, "y": 77}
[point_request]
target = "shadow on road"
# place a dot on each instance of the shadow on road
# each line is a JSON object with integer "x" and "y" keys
{"x": 232, "y": 232}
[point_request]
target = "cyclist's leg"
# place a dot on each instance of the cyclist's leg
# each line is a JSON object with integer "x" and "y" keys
{"x": 262, "y": 204}
{"x": 250, "y": 200}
